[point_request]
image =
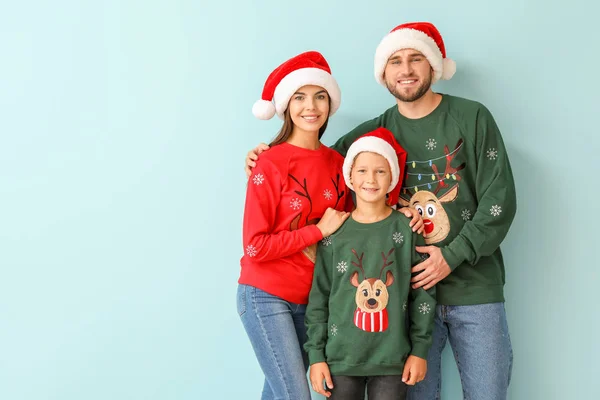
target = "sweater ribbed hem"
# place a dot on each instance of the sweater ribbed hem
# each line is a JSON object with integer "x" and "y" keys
{"x": 469, "y": 295}
{"x": 366, "y": 369}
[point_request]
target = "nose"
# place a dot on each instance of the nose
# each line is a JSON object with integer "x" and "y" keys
{"x": 406, "y": 68}
{"x": 310, "y": 103}
{"x": 371, "y": 302}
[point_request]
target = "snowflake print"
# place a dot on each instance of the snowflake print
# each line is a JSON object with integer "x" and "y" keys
{"x": 466, "y": 214}
{"x": 398, "y": 238}
{"x": 251, "y": 250}
{"x": 424, "y": 308}
{"x": 327, "y": 194}
{"x": 334, "y": 330}
{"x": 326, "y": 241}
{"x": 296, "y": 203}
{"x": 342, "y": 267}
{"x": 495, "y": 210}
{"x": 258, "y": 179}
{"x": 492, "y": 153}
{"x": 431, "y": 143}
{"x": 404, "y": 305}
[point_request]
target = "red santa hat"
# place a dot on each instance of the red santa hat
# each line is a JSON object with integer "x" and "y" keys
{"x": 421, "y": 36}
{"x": 309, "y": 68}
{"x": 380, "y": 141}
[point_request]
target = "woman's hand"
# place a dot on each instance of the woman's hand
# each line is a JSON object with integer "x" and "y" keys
{"x": 331, "y": 221}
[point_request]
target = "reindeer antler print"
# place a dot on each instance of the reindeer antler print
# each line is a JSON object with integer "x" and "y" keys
{"x": 448, "y": 170}
{"x": 303, "y": 194}
{"x": 360, "y": 263}
{"x": 336, "y": 184}
{"x": 385, "y": 260}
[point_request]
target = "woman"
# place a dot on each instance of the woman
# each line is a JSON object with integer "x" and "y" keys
{"x": 295, "y": 197}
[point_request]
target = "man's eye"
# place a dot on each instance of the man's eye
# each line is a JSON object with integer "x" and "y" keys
{"x": 321, "y": 97}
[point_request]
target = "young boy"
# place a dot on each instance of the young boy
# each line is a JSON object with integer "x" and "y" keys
{"x": 367, "y": 329}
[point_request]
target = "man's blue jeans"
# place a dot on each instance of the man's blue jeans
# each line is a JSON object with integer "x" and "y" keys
{"x": 481, "y": 345}
{"x": 277, "y": 333}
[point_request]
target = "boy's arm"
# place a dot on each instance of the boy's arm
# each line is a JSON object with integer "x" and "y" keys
{"x": 421, "y": 311}
{"x": 496, "y": 198}
{"x": 317, "y": 311}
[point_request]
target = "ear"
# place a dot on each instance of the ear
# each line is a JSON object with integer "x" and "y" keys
{"x": 389, "y": 278}
{"x": 449, "y": 195}
{"x": 354, "y": 279}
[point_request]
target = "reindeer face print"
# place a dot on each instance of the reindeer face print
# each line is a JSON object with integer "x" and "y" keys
{"x": 435, "y": 219}
{"x": 429, "y": 205}
{"x": 371, "y": 296}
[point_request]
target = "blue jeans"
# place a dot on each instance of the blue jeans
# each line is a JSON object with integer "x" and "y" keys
{"x": 277, "y": 333}
{"x": 481, "y": 345}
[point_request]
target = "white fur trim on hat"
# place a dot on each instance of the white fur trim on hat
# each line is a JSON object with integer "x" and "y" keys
{"x": 409, "y": 39}
{"x": 374, "y": 145}
{"x": 263, "y": 109}
{"x": 302, "y": 77}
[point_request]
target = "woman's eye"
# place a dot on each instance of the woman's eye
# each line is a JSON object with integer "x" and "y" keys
{"x": 298, "y": 98}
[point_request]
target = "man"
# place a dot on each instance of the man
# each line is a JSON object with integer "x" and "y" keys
{"x": 460, "y": 180}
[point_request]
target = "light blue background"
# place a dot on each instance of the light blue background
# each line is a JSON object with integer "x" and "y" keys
{"x": 124, "y": 125}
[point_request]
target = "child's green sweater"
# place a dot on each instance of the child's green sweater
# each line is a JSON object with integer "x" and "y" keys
{"x": 363, "y": 318}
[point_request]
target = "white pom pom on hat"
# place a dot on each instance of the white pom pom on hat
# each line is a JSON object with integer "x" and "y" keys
{"x": 263, "y": 109}
{"x": 309, "y": 68}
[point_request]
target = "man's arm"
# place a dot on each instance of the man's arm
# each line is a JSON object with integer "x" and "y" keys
{"x": 496, "y": 198}
{"x": 497, "y": 206}
{"x": 343, "y": 143}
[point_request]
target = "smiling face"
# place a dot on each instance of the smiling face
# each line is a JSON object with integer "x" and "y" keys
{"x": 370, "y": 177}
{"x": 408, "y": 75}
{"x": 309, "y": 108}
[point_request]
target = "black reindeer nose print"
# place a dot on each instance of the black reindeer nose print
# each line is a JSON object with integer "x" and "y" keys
{"x": 372, "y": 302}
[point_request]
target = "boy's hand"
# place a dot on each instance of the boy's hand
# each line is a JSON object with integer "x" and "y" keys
{"x": 253, "y": 156}
{"x": 415, "y": 369}
{"x": 318, "y": 373}
{"x": 416, "y": 223}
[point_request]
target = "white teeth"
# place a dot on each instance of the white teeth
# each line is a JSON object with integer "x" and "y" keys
{"x": 310, "y": 118}
{"x": 405, "y": 82}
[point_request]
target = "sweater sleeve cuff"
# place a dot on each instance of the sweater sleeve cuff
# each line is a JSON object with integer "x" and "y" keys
{"x": 316, "y": 356}
{"x": 420, "y": 349}
{"x": 313, "y": 234}
{"x": 452, "y": 255}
